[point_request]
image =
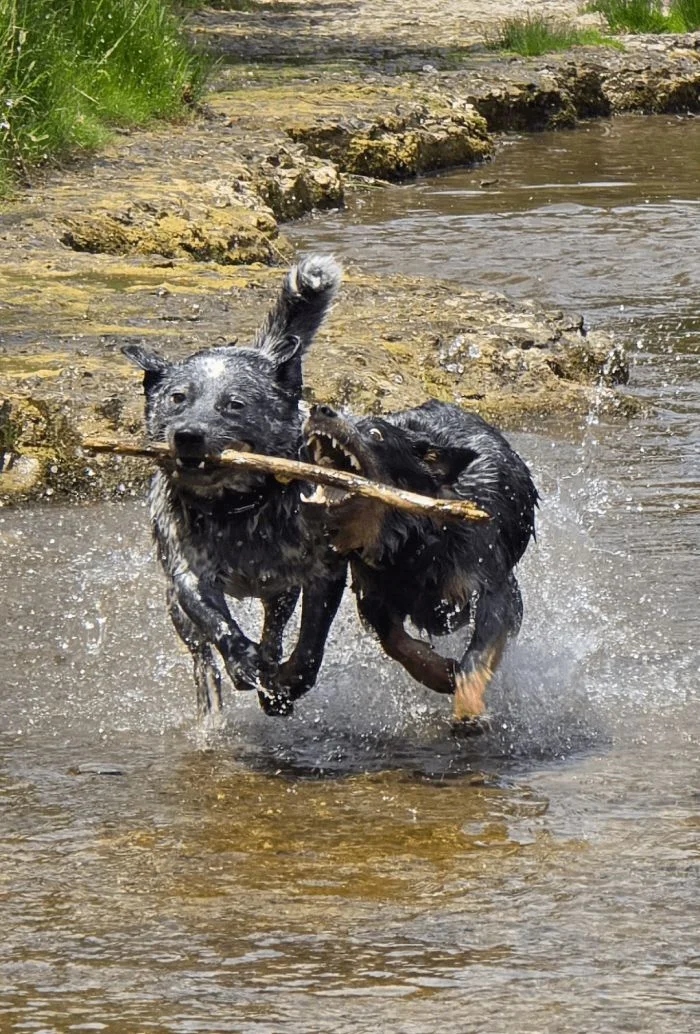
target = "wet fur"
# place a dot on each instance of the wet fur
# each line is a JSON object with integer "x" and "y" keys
{"x": 223, "y": 533}
{"x": 440, "y": 576}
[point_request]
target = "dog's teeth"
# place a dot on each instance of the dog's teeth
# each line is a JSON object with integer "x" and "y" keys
{"x": 178, "y": 462}
{"x": 355, "y": 463}
{"x": 200, "y": 465}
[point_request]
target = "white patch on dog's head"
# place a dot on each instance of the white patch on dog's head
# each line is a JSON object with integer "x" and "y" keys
{"x": 214, "y": 367}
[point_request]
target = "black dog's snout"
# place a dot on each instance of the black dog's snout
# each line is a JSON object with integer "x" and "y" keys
{"x": 322, "y": 410}
{"x": 191, "y": 443}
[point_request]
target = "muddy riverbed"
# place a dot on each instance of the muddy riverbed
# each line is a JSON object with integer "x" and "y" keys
{"x": 354, "y": 868}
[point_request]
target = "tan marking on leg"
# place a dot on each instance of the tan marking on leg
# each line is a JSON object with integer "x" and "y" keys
{"x": 470, "y": 687}
{"x": 469, "y": 693}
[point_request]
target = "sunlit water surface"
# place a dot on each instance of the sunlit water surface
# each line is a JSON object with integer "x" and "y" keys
{"x": 354, "y": 868}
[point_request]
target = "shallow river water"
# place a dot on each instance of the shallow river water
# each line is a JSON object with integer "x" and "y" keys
{"x": 354, "y": 868}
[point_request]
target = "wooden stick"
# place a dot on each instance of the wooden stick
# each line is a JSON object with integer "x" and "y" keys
{"x": 294, "y": 470}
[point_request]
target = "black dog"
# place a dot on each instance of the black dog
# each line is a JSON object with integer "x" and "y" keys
{"x": 220, "y": 531}
{"x": 442, "y": 575}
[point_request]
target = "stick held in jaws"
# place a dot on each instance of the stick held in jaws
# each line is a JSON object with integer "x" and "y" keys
{"x": 291, "y": 470}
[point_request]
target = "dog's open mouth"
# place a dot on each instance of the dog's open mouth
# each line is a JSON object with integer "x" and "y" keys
{"x": 326, "y": 451}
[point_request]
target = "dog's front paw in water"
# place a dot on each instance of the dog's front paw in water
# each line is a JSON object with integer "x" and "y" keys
{"x": 276, "y": 703}
{"x": 246, "y": 675}
{"x": 242, "y": 668}
{"x": 466, "y": 728}
{"x": 294, "y": 680}
{"x": 469, "y": 716}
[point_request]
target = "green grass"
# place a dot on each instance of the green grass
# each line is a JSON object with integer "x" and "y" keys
{"x": 689, "y": 12}
{"x": 535, "y": 34}
{"x": 72, "y": 69}
{"x": 219, "y": 5}
{"x": 639, "y": 16}
{"x": 631, "y": 15}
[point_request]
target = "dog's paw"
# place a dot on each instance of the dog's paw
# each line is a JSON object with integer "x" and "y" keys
{"x": 242, "y": 666}
{"x": 244, "y": 677}
{"x": 275, "y": 704}
{"x": 296, "y": 679}
{"x": 476, "y": 725}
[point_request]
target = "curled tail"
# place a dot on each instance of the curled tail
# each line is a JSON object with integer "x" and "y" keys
{"x": 307, "y": 293}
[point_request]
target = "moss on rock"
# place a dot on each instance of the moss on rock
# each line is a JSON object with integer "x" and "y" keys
{"x": 292, "y": 189}
{"x": 228, "y": 234}
{"x": 412, "y": 139}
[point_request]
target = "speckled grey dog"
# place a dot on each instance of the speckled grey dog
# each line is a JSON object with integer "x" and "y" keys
{"x": 221, "y": 532}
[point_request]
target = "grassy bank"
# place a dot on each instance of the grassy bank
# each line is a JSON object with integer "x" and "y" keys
{"x": 649, "y": 15}
{"x": 535, "y": 34}
{"x": 72, "y": 69}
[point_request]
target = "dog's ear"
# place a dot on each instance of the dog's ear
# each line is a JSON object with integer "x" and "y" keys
{"x": 152, "y": 364}
{"x": 446, "y": 462}
{"x": 285, "y": 353}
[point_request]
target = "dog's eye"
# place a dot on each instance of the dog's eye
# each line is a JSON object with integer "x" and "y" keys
{"x": 178, "y": 397}
{"x": 233, "y": 404}
{"x": 374, "y": 432}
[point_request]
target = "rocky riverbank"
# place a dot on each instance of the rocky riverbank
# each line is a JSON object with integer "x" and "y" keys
{"x": 173, "y": 236}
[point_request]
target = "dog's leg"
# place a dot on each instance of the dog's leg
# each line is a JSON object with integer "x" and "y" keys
{"x": 466, "y": 680}
{"x": 318, "y": 608}
{"x": 202, "y": 602}
{"x": 278, "y": 611}
{"x": 206, "y": 607}
{"x": 419, "y": 659}
{"x": 206, "y": 674}
{"x": 497, "y": 616}
{"x": 207, "y": 681}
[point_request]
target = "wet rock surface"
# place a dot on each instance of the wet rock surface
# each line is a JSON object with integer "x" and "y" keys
{"x": 389, "y": 343}
{"x": 173, "y": 236}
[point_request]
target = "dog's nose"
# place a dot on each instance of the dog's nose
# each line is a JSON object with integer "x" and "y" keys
{"x": 322, "y": 410}
{"x": 191, "y": 442}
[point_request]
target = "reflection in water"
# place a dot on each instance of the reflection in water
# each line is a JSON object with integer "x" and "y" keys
{"x": 354, "y": 868}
